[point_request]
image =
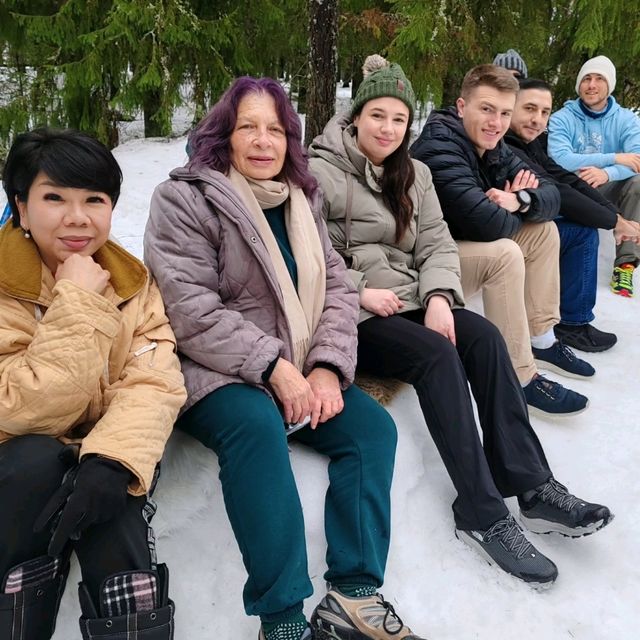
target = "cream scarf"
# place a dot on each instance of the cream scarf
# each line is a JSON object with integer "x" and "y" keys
{"x": 303, "y": 307}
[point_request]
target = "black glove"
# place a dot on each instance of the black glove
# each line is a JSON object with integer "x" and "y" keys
{"x": 92, "y": 492}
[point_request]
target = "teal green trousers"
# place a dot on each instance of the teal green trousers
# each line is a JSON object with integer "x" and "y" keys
{"x": 244, "y": 427}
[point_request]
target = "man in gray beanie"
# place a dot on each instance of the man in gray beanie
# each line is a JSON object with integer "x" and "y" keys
{"x": 512, "y": 61}
{"x": 599, "y": 140}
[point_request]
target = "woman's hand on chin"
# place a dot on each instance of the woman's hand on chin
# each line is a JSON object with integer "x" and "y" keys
{"x": 327, "y": 394}
{"x": 439, "y": 318}
{"x": 85, "y": 272}
{"x": 382, "y": 302}
{"x": 293, "y": 391}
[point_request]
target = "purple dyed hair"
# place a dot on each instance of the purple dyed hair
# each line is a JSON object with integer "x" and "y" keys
{"x": 210, "y": 144}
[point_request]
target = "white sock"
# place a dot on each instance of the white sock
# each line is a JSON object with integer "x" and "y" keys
{"x": 544, "y": 341}
{"x": 528, "y": 382}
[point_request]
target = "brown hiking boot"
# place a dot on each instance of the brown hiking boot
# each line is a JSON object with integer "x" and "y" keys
{"x": 339, "y": 617}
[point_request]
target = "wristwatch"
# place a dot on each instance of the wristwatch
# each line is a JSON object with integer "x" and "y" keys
{"x": 524, "y": 198}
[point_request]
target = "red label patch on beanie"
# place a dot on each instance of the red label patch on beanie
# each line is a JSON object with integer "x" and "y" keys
{"x": 400, "y": 86}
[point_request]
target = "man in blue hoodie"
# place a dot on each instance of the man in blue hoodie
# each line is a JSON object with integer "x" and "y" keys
{"x": 597, "y": 138}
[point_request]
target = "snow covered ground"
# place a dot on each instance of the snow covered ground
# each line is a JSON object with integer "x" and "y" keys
{"x": 442, "y": 589}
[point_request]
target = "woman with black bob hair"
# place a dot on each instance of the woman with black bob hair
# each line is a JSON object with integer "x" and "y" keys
{"x": 384, "y": 218}
{"x": 90, "y": 386}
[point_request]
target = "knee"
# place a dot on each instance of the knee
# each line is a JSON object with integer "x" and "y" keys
{"x": 373, "y": 429}
{"x": 433, "y": 359}
{"x": 384, "y": 432}
{"x": 548, "y": 236}
{"x": 508, "y": 258}
{"x": 252, "y": 436}
{"x": 575, "y": 236}
{"x": 634, "y": 187}
{"x": 487, "y": 336}
{"x": 234, "y": 416}
{"x": 591, "y": 238}
{"x": 31, "y": 463}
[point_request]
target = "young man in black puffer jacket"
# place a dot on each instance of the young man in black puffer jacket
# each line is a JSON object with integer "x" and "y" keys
{"x": 500, "y": 213}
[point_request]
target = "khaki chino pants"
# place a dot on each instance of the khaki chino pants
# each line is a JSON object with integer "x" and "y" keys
{"x": 520, "y": 282}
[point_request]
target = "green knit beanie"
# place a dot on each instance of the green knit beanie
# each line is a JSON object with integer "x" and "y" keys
{"x": 383, "y": 79}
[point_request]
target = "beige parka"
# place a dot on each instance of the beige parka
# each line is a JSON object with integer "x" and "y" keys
{"x": 100, "y": 370}
{"x": 423, "y": 262}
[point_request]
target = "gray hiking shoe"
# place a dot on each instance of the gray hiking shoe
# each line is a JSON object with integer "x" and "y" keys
{"x": 504, "y": 544}
{"x": 554, "y": 510}
{"x": 339, "y": 617}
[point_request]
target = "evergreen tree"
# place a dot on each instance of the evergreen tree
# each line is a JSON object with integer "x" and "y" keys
{"x": 366, "y": 27}
{"x": 92, "y": 63}
{"x": 439, "y": 41}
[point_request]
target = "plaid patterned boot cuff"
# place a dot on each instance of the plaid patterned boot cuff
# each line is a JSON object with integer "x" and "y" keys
{"x": 134, "y": 603}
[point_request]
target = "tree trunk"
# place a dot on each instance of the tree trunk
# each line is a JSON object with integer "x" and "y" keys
{"x": 356, "y": 76}
{"x": 321, "y": 90}
{"x": 153, "y": 125}
{"x": 450, "y": 90}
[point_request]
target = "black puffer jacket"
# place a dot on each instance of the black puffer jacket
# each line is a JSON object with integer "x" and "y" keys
{"x": 461, "y": 179}
{"x": 579, "y": 202}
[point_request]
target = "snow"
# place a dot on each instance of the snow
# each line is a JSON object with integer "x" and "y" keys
{"x": 442, "y": 589}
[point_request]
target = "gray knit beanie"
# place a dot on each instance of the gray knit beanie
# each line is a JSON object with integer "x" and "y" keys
{"x": 601, "y": 65}
{"x": 511, "y": 60}
{"x": 383, "y": 79}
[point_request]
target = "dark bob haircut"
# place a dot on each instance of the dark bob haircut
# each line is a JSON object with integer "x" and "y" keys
{"x": 69, "y": 158}
{"x": 210, "y": 145}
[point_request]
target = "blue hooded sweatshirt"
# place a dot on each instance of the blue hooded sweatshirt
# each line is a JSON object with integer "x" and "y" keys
{"x": 579, "y": 138}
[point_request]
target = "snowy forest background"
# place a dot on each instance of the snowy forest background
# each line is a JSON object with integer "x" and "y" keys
{"x": 93, "y": 64}
{"x": 131, "y": 69}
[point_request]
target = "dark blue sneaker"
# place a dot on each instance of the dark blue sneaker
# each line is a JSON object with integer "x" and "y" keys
{"x": 547, "y": 398}
{"x": 562, "y": 360}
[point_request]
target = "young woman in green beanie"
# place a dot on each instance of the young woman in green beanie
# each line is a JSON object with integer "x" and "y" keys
{"x": 384, "y": 218}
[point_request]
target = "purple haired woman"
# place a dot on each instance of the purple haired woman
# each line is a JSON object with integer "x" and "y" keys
{"x": 265, "y": 318}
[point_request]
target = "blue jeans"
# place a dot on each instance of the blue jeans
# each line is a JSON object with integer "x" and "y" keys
{"x": 578, "y": 271}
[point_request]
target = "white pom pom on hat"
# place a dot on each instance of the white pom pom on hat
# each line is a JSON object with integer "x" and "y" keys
{"x": 373, "y": 63}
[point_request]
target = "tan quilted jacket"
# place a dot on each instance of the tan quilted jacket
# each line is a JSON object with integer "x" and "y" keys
{"x": 82, "y": 367}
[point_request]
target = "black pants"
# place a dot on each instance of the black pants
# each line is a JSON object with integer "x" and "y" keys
{"x": 513, "y": 461}
{"x": 30, "y": 473}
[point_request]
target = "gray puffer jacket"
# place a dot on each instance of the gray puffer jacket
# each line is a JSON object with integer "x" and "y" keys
{"x": 221, "y": 292}
{"x": 423, "y": 262}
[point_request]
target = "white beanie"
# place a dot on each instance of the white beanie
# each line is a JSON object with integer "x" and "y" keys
{"x": 601, "y": 65}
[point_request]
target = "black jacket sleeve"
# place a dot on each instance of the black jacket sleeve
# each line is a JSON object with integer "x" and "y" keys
{"x": 545, "y": 199}
{"x": 461, "y": 184}
{"x": 579, "y": 202}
